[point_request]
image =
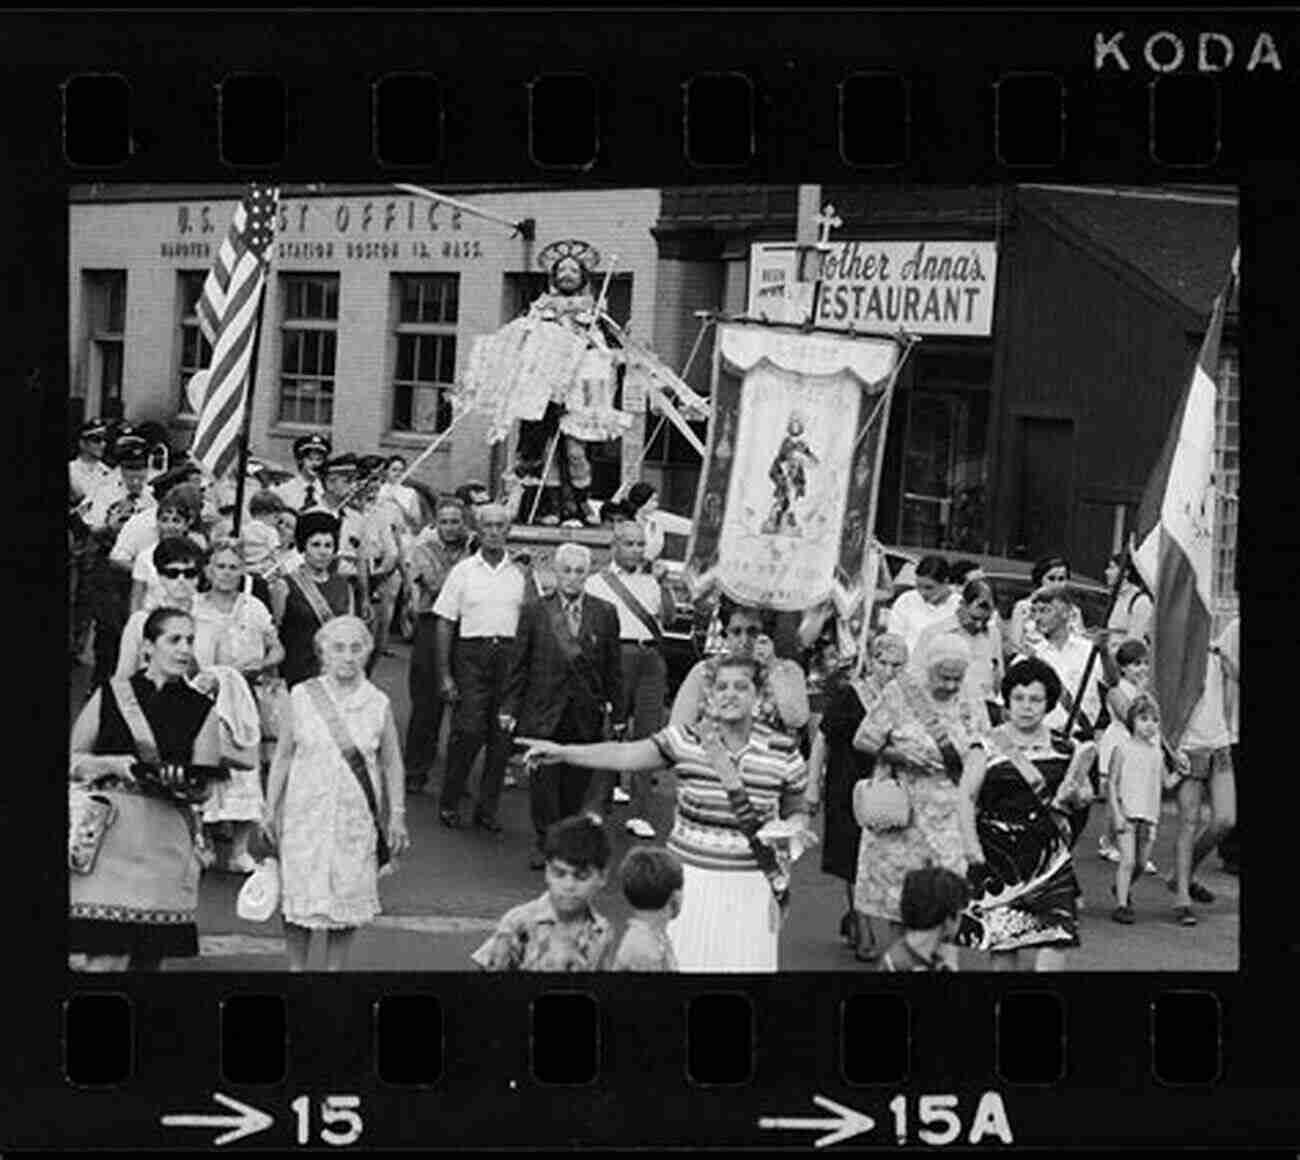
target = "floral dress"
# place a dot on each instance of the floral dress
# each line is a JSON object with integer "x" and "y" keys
{"x": 328, "y": 861}
{"x": 932, "y": 836}
{"x": 1029, "y": 898}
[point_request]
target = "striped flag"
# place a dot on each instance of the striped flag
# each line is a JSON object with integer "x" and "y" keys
{"x": 1174, "y": 540}
{"x": 227, "y": 311}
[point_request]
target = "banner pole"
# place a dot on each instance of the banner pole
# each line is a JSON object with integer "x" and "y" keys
{"x": 241, "y": 463}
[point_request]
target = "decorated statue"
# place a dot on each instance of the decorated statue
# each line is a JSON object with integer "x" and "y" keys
{"x": 789, "y": 476}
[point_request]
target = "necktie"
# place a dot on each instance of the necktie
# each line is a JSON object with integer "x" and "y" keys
{"x": 309, "y": 500}
{"x": 574, "y": 611}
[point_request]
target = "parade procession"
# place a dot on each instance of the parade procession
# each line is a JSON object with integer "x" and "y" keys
{"x": 727, "y": 579}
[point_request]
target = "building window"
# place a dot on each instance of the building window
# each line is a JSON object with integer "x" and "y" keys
{"x": 196, "y": 351}
{"x": 424, "y": 372}
{"x": 106, "y": 330}
{"x": 1227, "y": 478}
{"x": 308, "y": 344}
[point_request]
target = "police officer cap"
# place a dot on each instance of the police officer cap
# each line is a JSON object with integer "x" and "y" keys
{"x": 306, "y": 443}
{"x": 94, "y": 429}
{"x": 369, "y": 464}
{"x": 345, "y": 462}
{"x": 131, "y": 451}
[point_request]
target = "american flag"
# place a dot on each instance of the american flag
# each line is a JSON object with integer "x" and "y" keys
{"x": 227, "y": 311}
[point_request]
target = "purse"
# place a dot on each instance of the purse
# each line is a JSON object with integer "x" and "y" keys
{"x": 260, "y": 894}
{"x": 882, "y": 804}
{"x": 89, "y": 817}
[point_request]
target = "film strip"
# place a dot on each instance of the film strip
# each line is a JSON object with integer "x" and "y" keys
{"x": 696, "y": 101}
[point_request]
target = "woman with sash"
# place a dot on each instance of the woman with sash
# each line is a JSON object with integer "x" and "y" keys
{"x": 143, "y": 752}
{"x": 1022, "y": 809}
{"x": 335, "y": 802}
{"x": 740, "y": 818}
{"x": 310, "y": 596}
{"x": 923, "y": 733}
{"x": 848, "y": 697}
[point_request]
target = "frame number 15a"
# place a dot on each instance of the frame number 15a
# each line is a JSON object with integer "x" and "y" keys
{"x": 338, "y": 1120}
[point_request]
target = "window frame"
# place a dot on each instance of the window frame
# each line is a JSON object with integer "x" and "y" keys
{"x": 289, "y": 384}
{"x": 442, "y": 330}
{"x": 188, "y": 319}
{"x": 102, "y": 336}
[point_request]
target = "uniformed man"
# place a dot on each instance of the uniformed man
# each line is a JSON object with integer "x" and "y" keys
{"x": 126, "y": 482}
{"x": 305, "y": 490}
{"x": 338, "y": 477}
{"x": 88, "y": 471}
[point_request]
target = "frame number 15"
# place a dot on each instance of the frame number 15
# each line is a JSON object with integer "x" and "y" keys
{"x": 340, "y": 1121}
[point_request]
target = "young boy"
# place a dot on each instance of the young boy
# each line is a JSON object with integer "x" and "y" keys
{"x": 930, "y": 907}
{"x": 652, "y": 885}
{"x": 558, "y": 931}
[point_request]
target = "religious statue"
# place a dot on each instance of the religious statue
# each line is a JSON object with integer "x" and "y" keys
{"x": 789, "y": 476}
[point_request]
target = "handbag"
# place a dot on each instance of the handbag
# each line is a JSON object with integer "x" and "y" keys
{"x": 89, "y": 817}
{"x": 882, "y": 804}
{"x": 260, "y": 894}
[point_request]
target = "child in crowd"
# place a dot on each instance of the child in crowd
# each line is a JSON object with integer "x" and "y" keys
{"x": 652, "y": 884}
{"x": 1133, "y": 660}
{"x": 1136, "y": 775}
{"x": 930, "y": 906}
{"x": 558, "y": 931}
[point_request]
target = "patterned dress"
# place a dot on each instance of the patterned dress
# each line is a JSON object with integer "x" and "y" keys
{"x": 932, "y": 837}
{"x": 1030, "y": 896}
{"x": 328, "y": 861}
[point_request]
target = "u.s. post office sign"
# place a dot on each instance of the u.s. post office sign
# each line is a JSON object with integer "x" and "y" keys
{"x": 920, "y": 287}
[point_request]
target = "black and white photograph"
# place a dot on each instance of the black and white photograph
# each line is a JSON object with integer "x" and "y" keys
{"x": 726, "y": 578}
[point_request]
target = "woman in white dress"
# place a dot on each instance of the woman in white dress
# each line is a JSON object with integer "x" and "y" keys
{"x": 320, "y": 813}
{"x": 735, "y": 777}
{"x": 233, "y": 628}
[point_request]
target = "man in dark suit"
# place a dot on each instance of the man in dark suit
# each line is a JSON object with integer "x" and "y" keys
{"x": 565, "y": 677}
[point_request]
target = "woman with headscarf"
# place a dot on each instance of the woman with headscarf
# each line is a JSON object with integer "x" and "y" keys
{"x": 922, "y": 733}
{"x": 143, "y": 751}
{"x": 973, "y": 621}
{"x": 311, "y": 596}
{"x": 835, "y": 766}
{"x": 1023, "y": 804}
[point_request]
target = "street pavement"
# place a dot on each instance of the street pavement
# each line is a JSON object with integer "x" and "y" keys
{"x": 448, "y": 890}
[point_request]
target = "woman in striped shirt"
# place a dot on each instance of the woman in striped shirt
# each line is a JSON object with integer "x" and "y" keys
{"x": 734, "y": 778}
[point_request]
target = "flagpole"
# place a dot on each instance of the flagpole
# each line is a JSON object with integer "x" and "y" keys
{"x": 247, "y": 426}
{"x": 1077, "y": 703}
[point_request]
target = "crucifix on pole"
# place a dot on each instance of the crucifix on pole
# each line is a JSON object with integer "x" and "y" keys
{"x": 812, "y": 259}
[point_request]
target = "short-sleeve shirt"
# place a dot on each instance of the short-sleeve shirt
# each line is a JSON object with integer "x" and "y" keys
{"x": 910, "y": 615}
{"x": 1069, "y": 661}
{"x": 137, "y": 534}
{"x": 1208, "y": 726}
{"x": 532, "y": 938}
{"x": 484, "y": 599}
{"x": 706, "y": 832}
{"x": 86, "y": 478}
{"x": 645, "y": 947}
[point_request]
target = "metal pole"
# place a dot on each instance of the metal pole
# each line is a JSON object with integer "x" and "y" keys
{"x": 241, "y": 464}
{"x": 1092, "y": 656}
{"x": 546, "y": 471}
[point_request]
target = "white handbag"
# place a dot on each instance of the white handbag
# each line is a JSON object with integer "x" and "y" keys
{"x": 260, "y": 894}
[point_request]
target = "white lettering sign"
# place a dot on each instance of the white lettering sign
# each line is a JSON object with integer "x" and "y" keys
{"x": 920, "y": 287}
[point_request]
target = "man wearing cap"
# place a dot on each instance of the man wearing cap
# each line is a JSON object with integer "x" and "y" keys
{"x": 124, "y": 488}
{"x": 304, "y": 491}
{"x": 87, "y": 473}
{"x": 338, "y": 478}
{"x": 482, "y": 597}
{"x": 140, "y": 531}
{"x": 437, "y": 549}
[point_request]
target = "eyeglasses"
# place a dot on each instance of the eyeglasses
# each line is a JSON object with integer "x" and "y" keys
{"x": 179, "y": 573}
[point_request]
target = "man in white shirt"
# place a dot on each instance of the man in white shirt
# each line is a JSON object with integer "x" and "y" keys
{"x": 481, "y": 596}
{"x": 88, "y": 471}
{"x": 305, "y": 490}
{"x": 930, "y": 601}
{"x": 645, "y": 608}
{"x": 125, "y": 485}
{"x": 1207, "y": 744}
{"x": 1068, "y": 654}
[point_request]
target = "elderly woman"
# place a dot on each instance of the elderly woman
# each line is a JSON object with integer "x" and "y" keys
{"x": 179, "y": 562}
{"x": 783, "y": 691}
{"x": 311, "y": 595}
{"x": 735, "y": 778}
{"x": 848, "y": 699}
{"x": 335, "y": 802}
{"x": 923, "y": 733}
{"x": 1023, "y": 804}
{"x": 143, "y": 750}
{"x": 973, "y": 621}
{"x": 233, "y": 628}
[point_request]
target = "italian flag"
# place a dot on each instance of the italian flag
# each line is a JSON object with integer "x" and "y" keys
{"x": 1174, "y": 539}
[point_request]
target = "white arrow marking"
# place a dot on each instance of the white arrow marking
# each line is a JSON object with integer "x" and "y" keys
{"x": 847, "y": 1123}
{"x": 246, "y": 1123}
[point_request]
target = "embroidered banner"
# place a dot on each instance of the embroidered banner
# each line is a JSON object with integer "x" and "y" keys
{"x": 786, "y": 502}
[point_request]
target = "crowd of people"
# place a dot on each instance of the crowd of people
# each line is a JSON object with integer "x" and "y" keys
{"x": 231, "y": 719}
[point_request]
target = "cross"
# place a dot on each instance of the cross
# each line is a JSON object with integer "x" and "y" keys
{"x": 826, "y": 221}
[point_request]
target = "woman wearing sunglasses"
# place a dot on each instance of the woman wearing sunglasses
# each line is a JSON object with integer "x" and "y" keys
{"x": 177, "y": 516}
{"x": 178, "y": 561}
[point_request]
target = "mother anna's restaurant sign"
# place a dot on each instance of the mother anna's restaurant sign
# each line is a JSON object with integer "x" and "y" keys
{"x": 920, "y": 287}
